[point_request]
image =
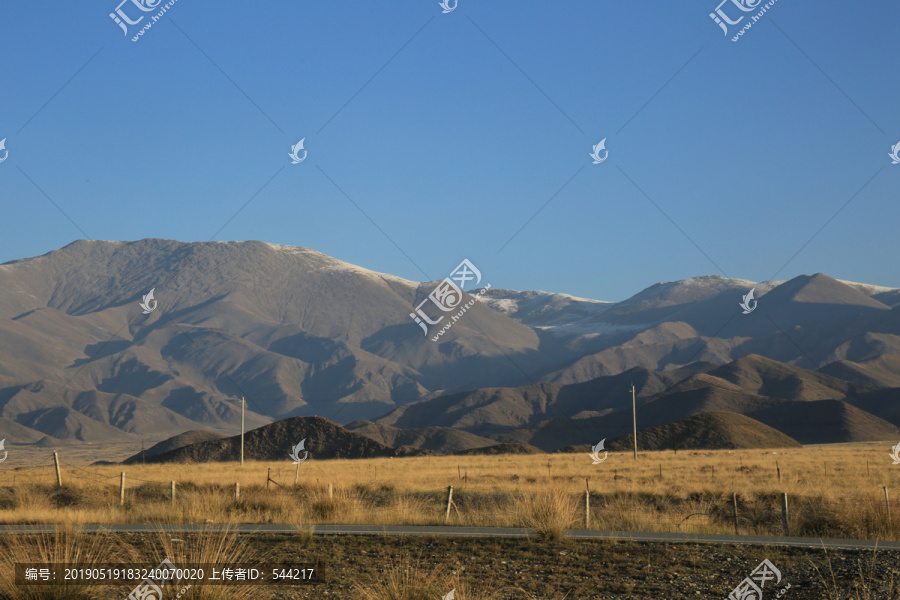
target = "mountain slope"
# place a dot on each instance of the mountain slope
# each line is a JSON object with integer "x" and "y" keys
{"x": 442, "y": 440}
{"x": 713, "y": 430}
{"x": 324, "y": 439}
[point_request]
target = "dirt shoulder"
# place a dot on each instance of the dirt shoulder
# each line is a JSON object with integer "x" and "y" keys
{"x": 573, "y": 569}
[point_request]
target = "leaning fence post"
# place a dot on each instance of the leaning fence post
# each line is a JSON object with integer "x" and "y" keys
{"x": 734, "y": 507}
{"x": 173, "y": 492}
{"x": 887, "y": 506}
{"x": 58, "y": 474}
{"x": 449, "y": 501}
{"x": 122, "y": 489}
{"x": 785, "y": 522}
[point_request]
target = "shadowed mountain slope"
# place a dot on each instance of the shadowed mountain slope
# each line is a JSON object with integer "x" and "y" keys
{"x": 713, "y": 430}
{"x": 299, "y": 333}
{"x": 173, "y": 443}
{"x": 442, "y": 440}
{"x": 324, "y": 439}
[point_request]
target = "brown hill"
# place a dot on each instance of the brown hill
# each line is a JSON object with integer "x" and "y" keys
{"x": 181, "y": 440}
{"x": 883, "y": 371}
{"x": 491, "y": 411}
{"x": 442, "y": 440}
{"x": 500, "y": 449}
{"x": 324, "y": 439}
{"x": 798, "y": 414}
{"x": 766, "y": 377}
{"x": 714, "y": 430}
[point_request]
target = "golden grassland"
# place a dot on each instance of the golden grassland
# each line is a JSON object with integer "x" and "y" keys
{"x": 833, "y": 491}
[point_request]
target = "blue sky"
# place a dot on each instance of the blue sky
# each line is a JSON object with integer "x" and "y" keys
{"x": 452, "y": 131}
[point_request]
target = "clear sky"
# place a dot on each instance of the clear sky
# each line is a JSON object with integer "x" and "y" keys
{"x": 435, "y": 137}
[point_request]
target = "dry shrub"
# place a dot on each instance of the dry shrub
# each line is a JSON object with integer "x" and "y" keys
{"x": 550, "y": 513}
{"x": 64, "y": 544}
{"x": 212, "y": 545}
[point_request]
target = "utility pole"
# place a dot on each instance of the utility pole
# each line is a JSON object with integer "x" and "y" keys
{"x": 242, "y": 430}
{"x": 634, "y": 420}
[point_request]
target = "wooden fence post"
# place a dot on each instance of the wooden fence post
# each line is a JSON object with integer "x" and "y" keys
{"x": 237, "y": 491}
{"x": 331, "y": 491}
{"x": 587, "y": 509}
{"x": 778, "y": 469}
{"x": 734, "y": 507}
{"x": 268, "y": 476}
{"x": 58, "y": 474}
{"x": 785, "y": 521}
{"x": 887, "y": 506}
{"x": 122, "y": 489}
{"x": 449, "y": 502}
{"x": 173, "y": 492}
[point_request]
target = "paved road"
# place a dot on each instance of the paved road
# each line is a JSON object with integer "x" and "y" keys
{"x": 507, "y": 532}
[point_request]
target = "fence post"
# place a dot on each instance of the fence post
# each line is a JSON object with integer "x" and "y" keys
{"x": 268, "y": 476}
{"x": 331, "y": 491}
{"x": 777, "y": 468}
{"x": 587, "y": 509}
{"x": 173, "y": 492}
{"x": 122, "y": 489}
{"x": 734, "y": 507}
{"x": 449, "y": 502}
{"x": 887, "y": 506}
{"x": 785, "y": 522}
{"x": 237, "y": 491}
{"x": 58, "y": 474}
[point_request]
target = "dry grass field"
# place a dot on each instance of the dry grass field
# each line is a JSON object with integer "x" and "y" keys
{"x": 833, "y": 491}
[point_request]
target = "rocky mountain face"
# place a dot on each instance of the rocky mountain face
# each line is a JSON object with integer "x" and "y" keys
{"x": 298, "y": 333}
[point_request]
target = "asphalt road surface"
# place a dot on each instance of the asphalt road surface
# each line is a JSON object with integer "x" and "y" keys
{"x": 508, "y": 532}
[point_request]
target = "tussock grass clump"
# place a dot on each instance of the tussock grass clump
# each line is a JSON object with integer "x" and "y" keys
{"x": 550, "y": 513}
{"x": 65, "y": 544}
{"x": 212, "y": 545}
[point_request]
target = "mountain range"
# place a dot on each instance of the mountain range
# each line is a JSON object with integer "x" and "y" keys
{"x": 298, "y": 334}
